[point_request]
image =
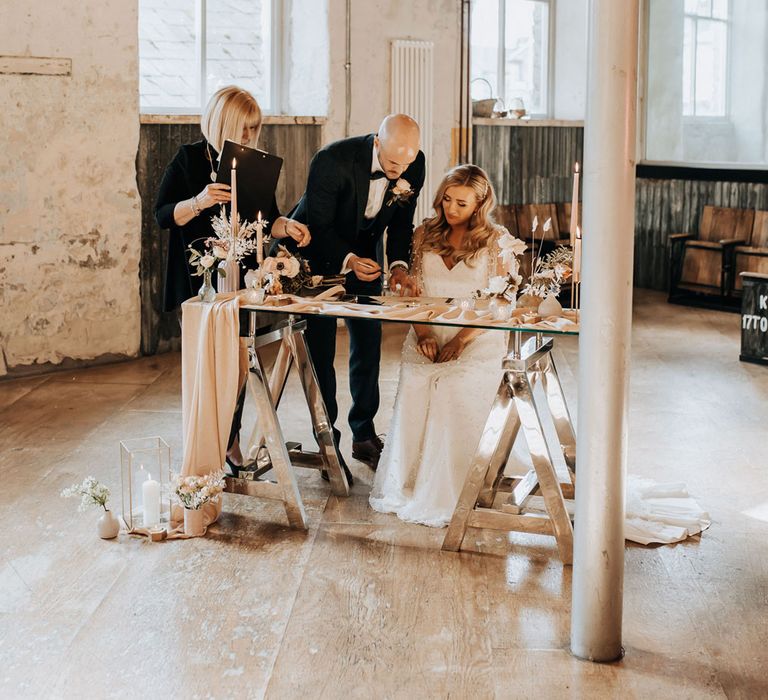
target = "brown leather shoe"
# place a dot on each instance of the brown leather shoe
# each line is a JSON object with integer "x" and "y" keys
{"x": 368, "y": 451}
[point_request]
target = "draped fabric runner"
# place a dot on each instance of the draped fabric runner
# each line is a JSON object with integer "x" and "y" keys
{"x": 211, "y": 367}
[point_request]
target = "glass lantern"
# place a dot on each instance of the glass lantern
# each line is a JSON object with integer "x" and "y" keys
{"x": 145, "y": 465}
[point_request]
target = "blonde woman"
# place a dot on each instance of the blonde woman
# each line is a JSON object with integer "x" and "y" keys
{"x": 188, "y": 194}
{"x": 447, "y": 379}
{"x": 188, "y": 199}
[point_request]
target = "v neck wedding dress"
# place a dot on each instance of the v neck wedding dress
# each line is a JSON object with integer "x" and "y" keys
{"x": 440, "y": 408}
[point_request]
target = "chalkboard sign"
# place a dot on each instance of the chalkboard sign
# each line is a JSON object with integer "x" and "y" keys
{"x": 754, "y": 318}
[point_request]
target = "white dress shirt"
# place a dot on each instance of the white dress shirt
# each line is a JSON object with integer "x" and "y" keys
{"x": 376, "y": 192}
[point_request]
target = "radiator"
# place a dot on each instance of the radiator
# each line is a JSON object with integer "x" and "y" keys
{"x": 412, "y": 93}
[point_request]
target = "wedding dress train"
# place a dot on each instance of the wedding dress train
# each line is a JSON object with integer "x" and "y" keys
{"x": 438, "y": 418}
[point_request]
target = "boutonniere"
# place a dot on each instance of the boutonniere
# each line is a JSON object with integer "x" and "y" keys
{"x": 401, "y": 193}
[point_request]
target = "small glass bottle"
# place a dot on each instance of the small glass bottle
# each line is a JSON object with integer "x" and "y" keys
{"x": 207, "y": 292}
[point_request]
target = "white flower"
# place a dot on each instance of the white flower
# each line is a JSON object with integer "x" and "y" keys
{"x": 291, "y": 267}
{"x": 207, "y": 261}
{"x": 510, "y": 245}
{"x": 548, "y": 224}
{"x": 401, "y": 187}
{"x": 269, "y": 266}
{"x": 497, "y": 285}
{"x": 219, "y": 251}
{"x": 535, "y": 223}
{"x": 195, "y": 491}
{"x": 251, "y": 279}
{"x": 93, "y": 493}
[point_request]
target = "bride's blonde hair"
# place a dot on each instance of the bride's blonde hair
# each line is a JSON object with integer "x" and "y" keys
{"x": 481, "y": 226}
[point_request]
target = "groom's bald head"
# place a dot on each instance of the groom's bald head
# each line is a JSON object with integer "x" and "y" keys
{"x": 398, "y": 144}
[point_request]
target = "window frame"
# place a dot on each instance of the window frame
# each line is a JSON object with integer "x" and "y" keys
{"x": 501, "y": 7}
{"x": 711, "y": 118}
{"x": 279, "y": 44}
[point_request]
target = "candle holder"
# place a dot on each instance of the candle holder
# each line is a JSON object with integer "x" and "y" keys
{"x": 145, "y": 465}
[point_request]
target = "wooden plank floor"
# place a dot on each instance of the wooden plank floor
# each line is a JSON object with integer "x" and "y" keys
{"x": 362, "y": 605}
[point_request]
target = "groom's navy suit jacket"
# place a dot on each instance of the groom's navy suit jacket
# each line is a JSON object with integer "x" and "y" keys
{"x": 334, "y": 202}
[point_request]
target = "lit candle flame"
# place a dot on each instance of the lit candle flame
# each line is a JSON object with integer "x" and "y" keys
{"x": 234, "y": 163}
{"x": 576, "y": 167}
{"x": 578, "y": 232}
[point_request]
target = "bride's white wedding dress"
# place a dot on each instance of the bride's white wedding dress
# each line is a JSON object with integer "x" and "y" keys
{"x": 439, "y": 414}
{"x": 440, "y": 409}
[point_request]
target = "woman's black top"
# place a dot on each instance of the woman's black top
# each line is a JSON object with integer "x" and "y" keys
{"x": 186, "y": 176}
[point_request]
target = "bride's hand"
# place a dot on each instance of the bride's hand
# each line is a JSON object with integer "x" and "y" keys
{"x": 452, "y": 349}
{"x": 426, "y": 345}
{"x": 402, "y": 283}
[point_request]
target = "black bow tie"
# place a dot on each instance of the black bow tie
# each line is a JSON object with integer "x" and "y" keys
{"x": 377, "y": 175}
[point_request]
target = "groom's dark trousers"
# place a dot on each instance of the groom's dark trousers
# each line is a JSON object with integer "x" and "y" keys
{"x": 333, "y": 207}
{"x": 364, "y": 360}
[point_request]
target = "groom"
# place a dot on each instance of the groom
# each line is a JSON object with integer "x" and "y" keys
{"x": 357, "y": 188}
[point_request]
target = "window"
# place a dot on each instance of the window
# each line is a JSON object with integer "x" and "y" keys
{"x": 188, "y": 49}
{"x": 705, "y": 58}
{"x": 509, "y": 52}
{"x": 706, "y": 86}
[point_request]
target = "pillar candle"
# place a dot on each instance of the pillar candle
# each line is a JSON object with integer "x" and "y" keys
{"x": 574, "y": 205}
{"x": 150, "y": 494}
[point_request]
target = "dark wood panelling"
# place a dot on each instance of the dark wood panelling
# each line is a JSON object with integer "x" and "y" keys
{"x": 532, "y": 165}
{"x": 158, "y": 143}
{"x": 529, "y": 165}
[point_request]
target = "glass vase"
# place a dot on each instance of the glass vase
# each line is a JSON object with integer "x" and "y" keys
{"x": 207, "y": 292}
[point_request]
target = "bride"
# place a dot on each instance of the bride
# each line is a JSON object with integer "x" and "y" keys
{"x": 449, "y": 378}
{"x": 447, "y": 375}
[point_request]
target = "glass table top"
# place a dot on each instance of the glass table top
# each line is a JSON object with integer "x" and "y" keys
{"x": 433, "y": 311}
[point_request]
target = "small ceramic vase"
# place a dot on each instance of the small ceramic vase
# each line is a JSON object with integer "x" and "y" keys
{"x": 193, "y": 522}
{"x": 550, "y": 307}
{"x": 108, "y": 525}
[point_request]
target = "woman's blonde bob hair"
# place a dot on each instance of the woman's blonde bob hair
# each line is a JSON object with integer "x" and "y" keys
{"x": 227, "y": 113}
{"x": 481, "y": 226}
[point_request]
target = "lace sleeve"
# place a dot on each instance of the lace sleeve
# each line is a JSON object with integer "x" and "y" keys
{"x": 416, "y": 256}
{"x": 496, "y": 266}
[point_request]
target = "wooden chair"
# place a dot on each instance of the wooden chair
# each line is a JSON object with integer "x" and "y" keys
{"x": 525, "y": 215}
{"x": 705, "y": 264}
{"x": 752, "y": 257}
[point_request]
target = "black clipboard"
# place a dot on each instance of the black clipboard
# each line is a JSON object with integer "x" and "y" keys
{"x": 257, "y": 176}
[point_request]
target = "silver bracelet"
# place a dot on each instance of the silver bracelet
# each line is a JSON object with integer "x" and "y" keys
{"x": 195, "y": 207}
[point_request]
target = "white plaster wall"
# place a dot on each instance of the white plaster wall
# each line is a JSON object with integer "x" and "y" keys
{"x": 664, "y": 119}
{"x": 69, "y": 208}
{"x": 749, "y": 80}
{"x": 375, "y": 23}
{"x": 570, "y": 60}
{"x": 308, "y": 56}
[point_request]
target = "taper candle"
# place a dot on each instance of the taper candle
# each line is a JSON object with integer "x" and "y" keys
{"x": 234, "y": 199}
{"x": 577, "y": 256}
{"x": 259, "y": 239}
{"x": 574, "y": 205}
